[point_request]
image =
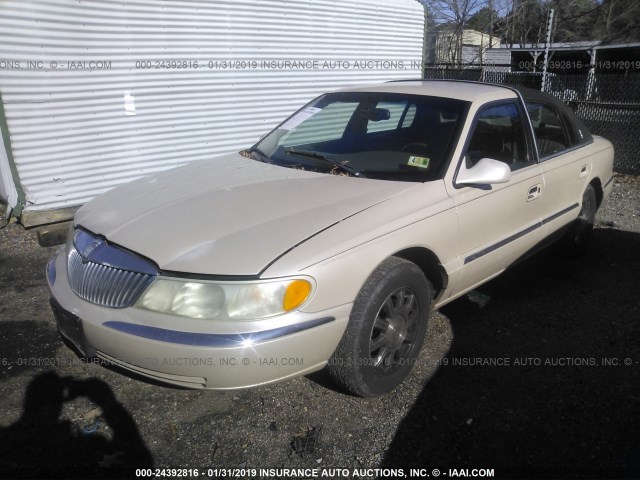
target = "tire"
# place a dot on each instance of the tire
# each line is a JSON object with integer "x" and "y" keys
{"x": 385, "y": 332}
{"x": 575, "y": 241}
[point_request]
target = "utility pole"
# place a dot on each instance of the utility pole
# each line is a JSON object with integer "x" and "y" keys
{"x": 546, "y": 50}
{"x": 490, "y": 23}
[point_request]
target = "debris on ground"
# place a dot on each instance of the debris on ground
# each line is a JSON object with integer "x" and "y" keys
{"x": 306, "y": 440}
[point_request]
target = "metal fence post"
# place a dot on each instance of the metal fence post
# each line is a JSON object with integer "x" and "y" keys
{"x": 546, "y": 51}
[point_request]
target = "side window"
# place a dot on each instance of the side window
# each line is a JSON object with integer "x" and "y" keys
{"x": 499, "y": 134}
{"x": 550, "y": 134}
{"x": 388, "y": 121}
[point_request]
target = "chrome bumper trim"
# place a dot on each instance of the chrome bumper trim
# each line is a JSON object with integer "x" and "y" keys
{"x": 213, "y": 339}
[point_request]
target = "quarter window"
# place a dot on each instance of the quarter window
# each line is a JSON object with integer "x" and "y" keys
{"x": 549, "y": 132}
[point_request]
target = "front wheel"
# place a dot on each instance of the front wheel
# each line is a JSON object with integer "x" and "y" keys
{"x": 386, "y": 330}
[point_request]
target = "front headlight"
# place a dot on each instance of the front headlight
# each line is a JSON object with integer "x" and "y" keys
{"x": 225, "y": 301}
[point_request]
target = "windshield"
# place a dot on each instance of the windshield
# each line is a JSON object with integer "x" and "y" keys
{"x": 373, "y": 135}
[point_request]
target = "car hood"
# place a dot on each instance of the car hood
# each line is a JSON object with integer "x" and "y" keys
{"x": 227, "y": 216}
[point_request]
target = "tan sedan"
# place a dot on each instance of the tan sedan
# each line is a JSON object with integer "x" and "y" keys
{"x": 327, "y": 243}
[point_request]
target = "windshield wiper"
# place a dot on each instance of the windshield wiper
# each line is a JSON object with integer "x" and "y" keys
{"x": 259, "y": 155}
{"x": 340, "y": 166}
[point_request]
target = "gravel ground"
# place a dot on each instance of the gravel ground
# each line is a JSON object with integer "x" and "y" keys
{"x": 526, "y": 376}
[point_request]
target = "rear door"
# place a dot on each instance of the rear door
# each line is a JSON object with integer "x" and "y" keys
{"x": 563, "y": 165}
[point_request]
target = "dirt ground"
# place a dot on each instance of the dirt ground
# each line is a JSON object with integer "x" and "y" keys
{"x": 536, "y": 375}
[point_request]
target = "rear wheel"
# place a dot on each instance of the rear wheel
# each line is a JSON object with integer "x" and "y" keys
{"x": 386, "y": 330}
{"x": 576, "y": 240}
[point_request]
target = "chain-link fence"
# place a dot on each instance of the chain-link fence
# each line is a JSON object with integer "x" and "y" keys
{"x": 607, "y": 101}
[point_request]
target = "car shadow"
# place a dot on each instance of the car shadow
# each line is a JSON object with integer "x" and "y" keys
{"x": 41, "y": 444}
{"x": 541, "y": 380}
{"x": 113, "y": 367}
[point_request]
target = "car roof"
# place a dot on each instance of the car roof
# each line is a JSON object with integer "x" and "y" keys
{"x": 531, "y": 95}
{"x": 455, "y": 89}
{"x": 481, "y": 92}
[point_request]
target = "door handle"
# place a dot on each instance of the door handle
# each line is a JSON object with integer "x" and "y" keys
{"x": 534, "y": 192}
{"x": 584, "y": 171}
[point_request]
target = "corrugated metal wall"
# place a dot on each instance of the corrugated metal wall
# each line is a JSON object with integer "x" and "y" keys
{"x": 90, "y": 103}
{"x": 8, "y": 192}
{"x": 499, "y": 57}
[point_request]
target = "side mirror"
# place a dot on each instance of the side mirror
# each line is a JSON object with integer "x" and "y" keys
{"x": 486, "y": 172}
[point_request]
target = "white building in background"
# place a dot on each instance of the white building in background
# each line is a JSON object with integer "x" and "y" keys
{"x": 446, "y": 49}
{"x": 96, "y": 93}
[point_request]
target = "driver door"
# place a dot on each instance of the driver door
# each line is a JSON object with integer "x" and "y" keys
{"x": 498, "y": 223}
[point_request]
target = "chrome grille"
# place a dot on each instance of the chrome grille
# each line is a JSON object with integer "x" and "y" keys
{"x": 105, "y": 285}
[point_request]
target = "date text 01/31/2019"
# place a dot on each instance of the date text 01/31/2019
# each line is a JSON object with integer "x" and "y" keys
{"x": 314, "y": 472}
{"x": 530, "y": 66}
{"x": 277, "y": 64}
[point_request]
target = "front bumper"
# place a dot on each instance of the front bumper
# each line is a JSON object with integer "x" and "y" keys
{"x": 196, "y": 353}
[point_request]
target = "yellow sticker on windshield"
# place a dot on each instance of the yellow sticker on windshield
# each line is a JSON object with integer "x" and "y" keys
{"x": 420, "y": 162}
